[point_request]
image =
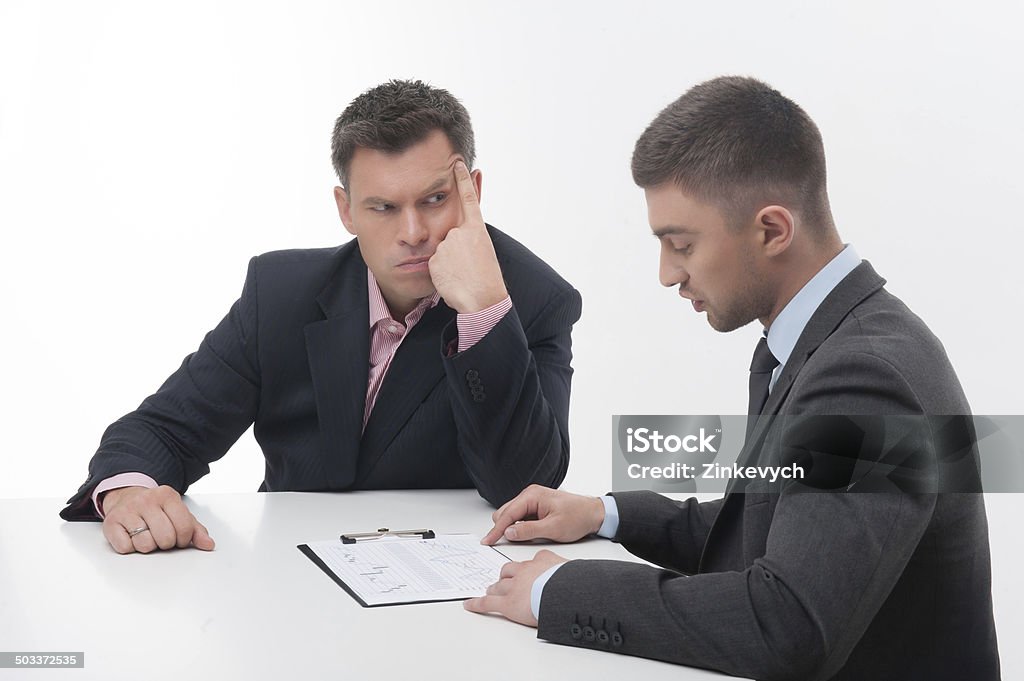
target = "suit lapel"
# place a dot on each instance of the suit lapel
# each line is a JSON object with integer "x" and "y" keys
{"x": 850, "y": 292}
{"x": 338, "y": 348}
{"x": 414, "y": 371}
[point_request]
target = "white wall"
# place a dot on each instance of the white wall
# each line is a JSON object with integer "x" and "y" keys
{"x": 147, "y": 150}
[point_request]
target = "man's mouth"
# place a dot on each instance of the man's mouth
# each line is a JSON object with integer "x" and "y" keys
{"x": 698, "y": 305}
{"x": 416, "y": 264}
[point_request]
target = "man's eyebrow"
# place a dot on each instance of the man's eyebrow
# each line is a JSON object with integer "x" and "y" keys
{"x": 672, "y": 229}
{"x": 440, "y": 182}
{"x": 437, "y": 184}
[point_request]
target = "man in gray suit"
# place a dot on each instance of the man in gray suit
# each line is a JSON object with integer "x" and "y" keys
{"x": 775, "y": 580}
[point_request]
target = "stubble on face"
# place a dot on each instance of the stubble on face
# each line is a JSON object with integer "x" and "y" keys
{"x": 751, "y": 300}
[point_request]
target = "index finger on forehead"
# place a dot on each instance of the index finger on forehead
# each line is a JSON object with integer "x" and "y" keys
{"x": 467, "y": 191}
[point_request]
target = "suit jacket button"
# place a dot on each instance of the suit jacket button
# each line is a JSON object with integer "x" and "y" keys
{"x": 602, "y": 637}
{"x": 588, "y": 634}
{"x": 472, "y": 375}
{"x": 616, "y": 639}
{"x": 576, "y": 631}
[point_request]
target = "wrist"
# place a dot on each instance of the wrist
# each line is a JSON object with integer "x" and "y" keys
{"x": 482, "y": 300}
{"x": 110, "y": 498}
{"x": 597, "y": 514}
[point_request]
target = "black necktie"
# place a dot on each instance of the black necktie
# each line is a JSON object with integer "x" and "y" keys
{"x": 761, "y": 367}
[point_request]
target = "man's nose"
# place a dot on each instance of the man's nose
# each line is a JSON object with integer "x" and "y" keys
{"x": 413, "y": 231}
{"x": 670, "y": 273}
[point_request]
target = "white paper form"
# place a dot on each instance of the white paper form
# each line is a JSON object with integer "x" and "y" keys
{"x": 390, "y": 571}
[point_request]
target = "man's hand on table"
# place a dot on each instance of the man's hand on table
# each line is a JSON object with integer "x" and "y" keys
{"x": 510, "y": 595}
{"x": 543, "y": 513}
{"x": 536, "y": 513}
{"x": 142, "y": 519}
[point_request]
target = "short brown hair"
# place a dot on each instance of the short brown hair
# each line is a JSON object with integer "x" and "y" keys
{"x": 736, "y": 142}
{"x": 396, "y": 115}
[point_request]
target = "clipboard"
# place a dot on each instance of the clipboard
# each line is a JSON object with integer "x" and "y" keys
{"x": 406, "y": 567}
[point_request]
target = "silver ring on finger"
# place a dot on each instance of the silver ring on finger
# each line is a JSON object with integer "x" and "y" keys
{"x": 138, "y": 530}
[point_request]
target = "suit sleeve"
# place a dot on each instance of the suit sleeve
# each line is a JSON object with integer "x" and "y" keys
{"x": 663, "y": 531}
{"x": 510, "y": 399}
{"x": 795, "y": 612}
{"x": 195, "y": 416}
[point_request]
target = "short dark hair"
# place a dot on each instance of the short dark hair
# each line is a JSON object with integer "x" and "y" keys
{"x": 394, "y": 116}
{"x": 735, "y": 142}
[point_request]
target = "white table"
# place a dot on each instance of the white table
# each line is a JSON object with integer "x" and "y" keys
{"x": 257, "y": 608}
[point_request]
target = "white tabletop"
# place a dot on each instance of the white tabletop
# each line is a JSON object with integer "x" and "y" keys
{"x": 257, "y": 608}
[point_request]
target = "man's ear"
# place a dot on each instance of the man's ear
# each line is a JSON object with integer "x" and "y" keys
{"x": 478, "y": 180}
{"x": 777, "y": 227}
{"x": 344, "y": 209}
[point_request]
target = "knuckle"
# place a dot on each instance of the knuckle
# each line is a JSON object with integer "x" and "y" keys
{"x": 166, "y": 493}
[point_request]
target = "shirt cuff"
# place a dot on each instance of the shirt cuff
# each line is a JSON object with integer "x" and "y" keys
{"x": 538, "y": 589}
{"x": 475, "y": 325}
{"x": 611, "y": 518}
{"x": 117, "y": 481}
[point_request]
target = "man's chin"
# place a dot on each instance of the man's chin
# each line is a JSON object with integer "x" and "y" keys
{"x": 421, "y": 292}
{"x": 415, "y": 285}
{"x": 721, "y": 325}
{"x": 726, "y": 325}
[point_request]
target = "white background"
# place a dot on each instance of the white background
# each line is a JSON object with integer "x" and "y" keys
{"x": 147, "y": 150}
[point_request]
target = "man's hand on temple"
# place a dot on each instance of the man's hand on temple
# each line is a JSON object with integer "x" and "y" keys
{"x": 464, "y": 268}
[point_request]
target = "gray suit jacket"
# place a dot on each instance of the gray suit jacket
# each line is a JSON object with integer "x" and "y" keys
{"x": 788, "y": 585}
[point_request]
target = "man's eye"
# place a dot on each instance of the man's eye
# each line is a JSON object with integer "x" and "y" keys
{"x": 436, "y": 198}
{"x": 381, "y": 208}
{"x": 680, "y": 248}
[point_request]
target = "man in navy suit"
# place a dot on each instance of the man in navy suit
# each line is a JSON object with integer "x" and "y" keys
{"x": 432, "y": 351}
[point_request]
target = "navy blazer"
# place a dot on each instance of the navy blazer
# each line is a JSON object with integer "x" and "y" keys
{"x": 292, "y": 356}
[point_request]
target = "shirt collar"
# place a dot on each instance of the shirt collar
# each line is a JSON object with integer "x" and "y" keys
{"x": 379, "y": 310}
{"x": 787, "y": 327}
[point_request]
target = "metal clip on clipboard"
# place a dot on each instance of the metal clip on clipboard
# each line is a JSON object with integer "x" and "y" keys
{"x": 353, "y": 537}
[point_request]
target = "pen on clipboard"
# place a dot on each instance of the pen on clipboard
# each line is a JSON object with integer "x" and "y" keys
{"x": 353, "y": 537}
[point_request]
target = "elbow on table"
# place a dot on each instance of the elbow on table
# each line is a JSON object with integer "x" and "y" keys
{"x": 509, "y": 482}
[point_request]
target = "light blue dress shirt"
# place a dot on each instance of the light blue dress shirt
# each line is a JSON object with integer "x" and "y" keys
{"x": 782, "y": 337}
